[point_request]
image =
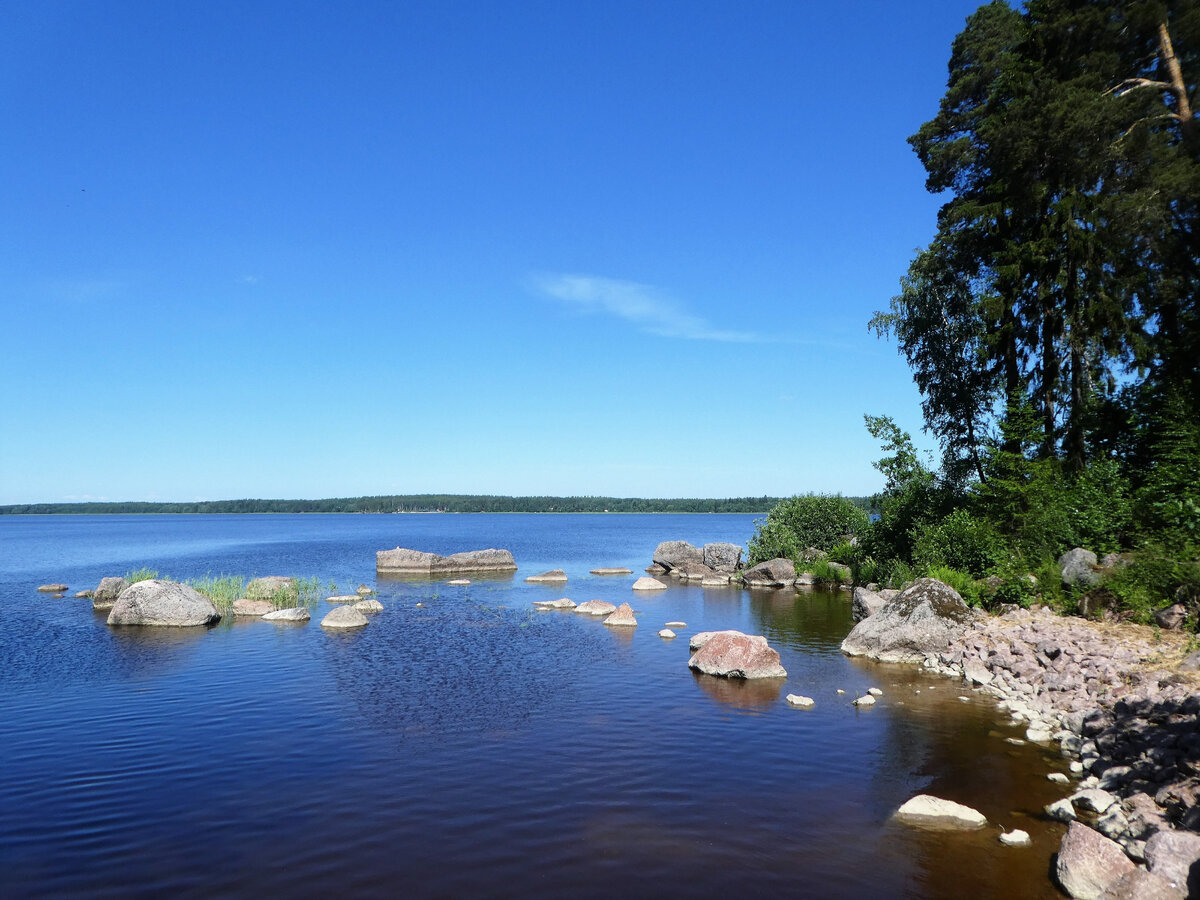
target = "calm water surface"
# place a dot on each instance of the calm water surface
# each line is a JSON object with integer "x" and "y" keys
{"x": 473, "y": 747}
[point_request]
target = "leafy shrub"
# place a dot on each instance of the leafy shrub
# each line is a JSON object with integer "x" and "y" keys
{"x": 960, "y": 542}
{"x": 810, "y": 520}
{"x": 962, "y": 582}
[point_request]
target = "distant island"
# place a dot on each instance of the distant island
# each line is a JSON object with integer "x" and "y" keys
{"x": 419, "y": 503}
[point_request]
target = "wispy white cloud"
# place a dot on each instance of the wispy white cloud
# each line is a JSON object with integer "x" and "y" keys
{"x": 645, "y": 306}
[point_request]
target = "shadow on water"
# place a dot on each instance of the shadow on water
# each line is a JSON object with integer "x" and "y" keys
{"x": 741, "y": 693}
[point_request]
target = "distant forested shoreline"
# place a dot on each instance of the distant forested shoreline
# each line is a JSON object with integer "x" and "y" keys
{"x": 418, "y": 503}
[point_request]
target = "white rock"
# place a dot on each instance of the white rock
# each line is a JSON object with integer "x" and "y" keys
{"x": 1096, "y": 800}
{"x": 965, "y": 699}
{"x": 876, "y": 692}
{"x": 677, "y": 624}
{"x": 343, "y": 598}
{"x": 666, "y": 633}
{"x": 1057, "y": 778}
{"x": 561, "y": 603}
{"x": 1015, "y": 838}
{"x": 926, "y": 809}
{"x": 840, "y": 691}
{"x": 1038, "y": 735}
{"x": 1076, "y": 767}
{"x": 646, "y": 583}
{"x": 1061, "y": 810}
{"x": 294, "y": 614}
{"x": 800, "y": 701}
{"x": 865, "y": 700}
{"x": 459, "y": 581}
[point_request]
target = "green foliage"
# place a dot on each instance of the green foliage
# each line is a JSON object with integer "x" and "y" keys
{"x": 960, "y": 542}
{"x": 222, "y": 590}
{"x": 1169, "y": 501}
{"x": 828, "y": 571}
{"x": 962, "y": 582}
{"x": 142, "y": 574}
{"x": 810, "y": 520}
{"x": 1151, "y": 581}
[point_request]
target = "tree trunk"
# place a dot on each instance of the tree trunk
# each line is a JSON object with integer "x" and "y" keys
{"x": 1183, "y": 106}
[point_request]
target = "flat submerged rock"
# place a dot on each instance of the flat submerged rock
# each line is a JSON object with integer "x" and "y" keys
{"x": 925, "y": 809}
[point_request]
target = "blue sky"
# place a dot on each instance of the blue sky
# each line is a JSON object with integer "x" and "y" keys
{"x": 314, "y": 249}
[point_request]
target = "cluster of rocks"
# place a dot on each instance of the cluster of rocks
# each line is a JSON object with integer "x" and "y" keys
{"x": 1112, "y": 697}
{"x": 712, "y": 565}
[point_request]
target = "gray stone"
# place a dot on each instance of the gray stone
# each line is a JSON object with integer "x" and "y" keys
{"x": 244, "y": 606}
{"x": 921, "y": 622}
{"x": 343, "y": 617}
{"x": 403, "y": 561}
{"x": 1088, "y": 862}
{"x": 666, "y": 634}
{"x": 1171, "y": 617}
{"x": 925, "y": 809}
{"x": 776, "y": 572}
{"x": 1093, "y": 799}
{"x": 107, "y": 592}
{"x": 84, "y": 595}
{"x": 561, "y": 603}
{"x": 731, "y": 654}
{"x": 368, "y": 604}
{"x": 1141, "y": 885}
{"x": 1173, "y": 855}
{"x": 52, "y": 588}
{"x": 555, "y": 576}
{"x": 722, "y": 557}
{"x": 866, "y": 603}
{"x": 700, "y": 638}
{"x": 1079, "y": 568}
{"x": 292, "y": 614}
{"x": 596, "y": 608}
{"x": 622, "y": 618}
{"x": 1061, "y": 810}
{"x": 611, "y": 570}
{"x": 677, "y": 555}
{"x": 800, "y": 701}
{"x": 342, "y": 598}
{"x": 364, "y": 591}
{"x": 165, "y": 603}
{"x": 865, "y": 700}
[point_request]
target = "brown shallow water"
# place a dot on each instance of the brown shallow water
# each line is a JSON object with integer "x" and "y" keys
{"x": 475, "y": 747}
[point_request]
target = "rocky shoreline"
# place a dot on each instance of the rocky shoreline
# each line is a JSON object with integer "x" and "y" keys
{"x": 1122, "y": 701}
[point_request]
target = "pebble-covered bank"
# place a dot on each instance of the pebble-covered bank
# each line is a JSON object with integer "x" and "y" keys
{"x": 1119, "y": 700}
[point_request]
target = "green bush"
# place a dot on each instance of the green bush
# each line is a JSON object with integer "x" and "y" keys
{"x": 811, "y": 520}
{"x": 960, "y": 542}
{"x": 962, "y": 582}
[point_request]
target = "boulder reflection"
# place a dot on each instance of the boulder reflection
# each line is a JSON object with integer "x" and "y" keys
{"x": 741, "y": 693}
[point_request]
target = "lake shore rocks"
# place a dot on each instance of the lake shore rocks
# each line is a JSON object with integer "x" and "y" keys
{"x": 731, "y": 654}
{"x": 163, "y": 603}
{"x": 554, "y": 576}
{"x": 611, "y": 570}
{"x": 107, "y": 592}
{"x": 777, "y": 572}
{"x": 52, "y": 589}
{"x": 343, "y": 598}
{"x": 1088, "y": 862}
{"x": 679, "y": 557}
{"x": 1117, "y": 700}
{"x": 369, "y": 604}
{"x": 561, "y": 603}
{"x": 402, "y": 561}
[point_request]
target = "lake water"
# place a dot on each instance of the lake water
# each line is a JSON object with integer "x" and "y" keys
{"x": 474, "y": 747}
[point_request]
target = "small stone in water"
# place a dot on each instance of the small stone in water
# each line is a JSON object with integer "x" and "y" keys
{"x": 1057, "y": 778}
{"x": 875, "y": 692}
{"x": 965, "y": 699}
{"x": 1015, "y": 838}
{"x": 1016, "y": 741}
{"x": 666, "y": 633}
{"x": 677, "y": 624}
{"x": 840, "y": 691}
{"x": 865, "y": 700}
{"x": 798, "y": 700}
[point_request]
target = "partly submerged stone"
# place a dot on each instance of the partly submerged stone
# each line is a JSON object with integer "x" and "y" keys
{"x": 700, "y": 638}
{"x": 344, "y": 617}
{"x": 554, "y": 576}
{"x": 84, "y": 595}
{"x": 864, "y": 700}
{"x": 925, "y": 809}
{"x": 561, "y": 603}
{"x": 677, "y": 555}
{"x": 623, "y": 617}
{"x": 666, "y": 633}
{"x": 612, "y": 570}
{"x": 646, "y": 583}
{"x": 244, "y": 606}
{"x": 800, "y": 701}
{"x": 731, "y": 654}
{"x": 164, "y": 603}
{"x": 777, "y": 572}
{"x": 368, "y": 604}
{"x": 362, "y": 590}
{"x": 1015, "y": 838}
{"x": 292, "y": 614}
{"x": 52, "y": 588}
{"x": 596, "y": 608}
{"x": 460, "y": 582}
{"x": 343, "y": 598}
{"x": 403, "y": 561}
{"x": 107, "y": 592}
{"x": 677, "y": 624}
{"x": 722, "y": 557}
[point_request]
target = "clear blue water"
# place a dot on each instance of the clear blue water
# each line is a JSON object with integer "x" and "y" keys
{"x": 474, "y": 746}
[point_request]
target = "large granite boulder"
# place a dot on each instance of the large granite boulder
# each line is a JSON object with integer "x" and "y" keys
{"x": 777, "y": 572}
{"x": 166, "y": 603}
{"x": 269, "y": 586}
{"x": 731, "y": 654}
{"x": 677, "y": 555}
{"x": 866, "y": 603}
{"x": 722, "y": 557}
{"x": 700, "y": 638}
{"x": 1175, "y": 855}
{"x": 107, "y": 592}
{"x": 920, "y": 622}
{"x": 1079, "y": 568}
{"x": 1088, "y": 862}
{"x": 402, "y": 561}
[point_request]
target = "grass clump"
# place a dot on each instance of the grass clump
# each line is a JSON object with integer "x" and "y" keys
{"x": 142, "y": 574}
{"x": 222, "y": 590}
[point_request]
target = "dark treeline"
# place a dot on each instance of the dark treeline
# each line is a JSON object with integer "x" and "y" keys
{"x": 406, "y": 503}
